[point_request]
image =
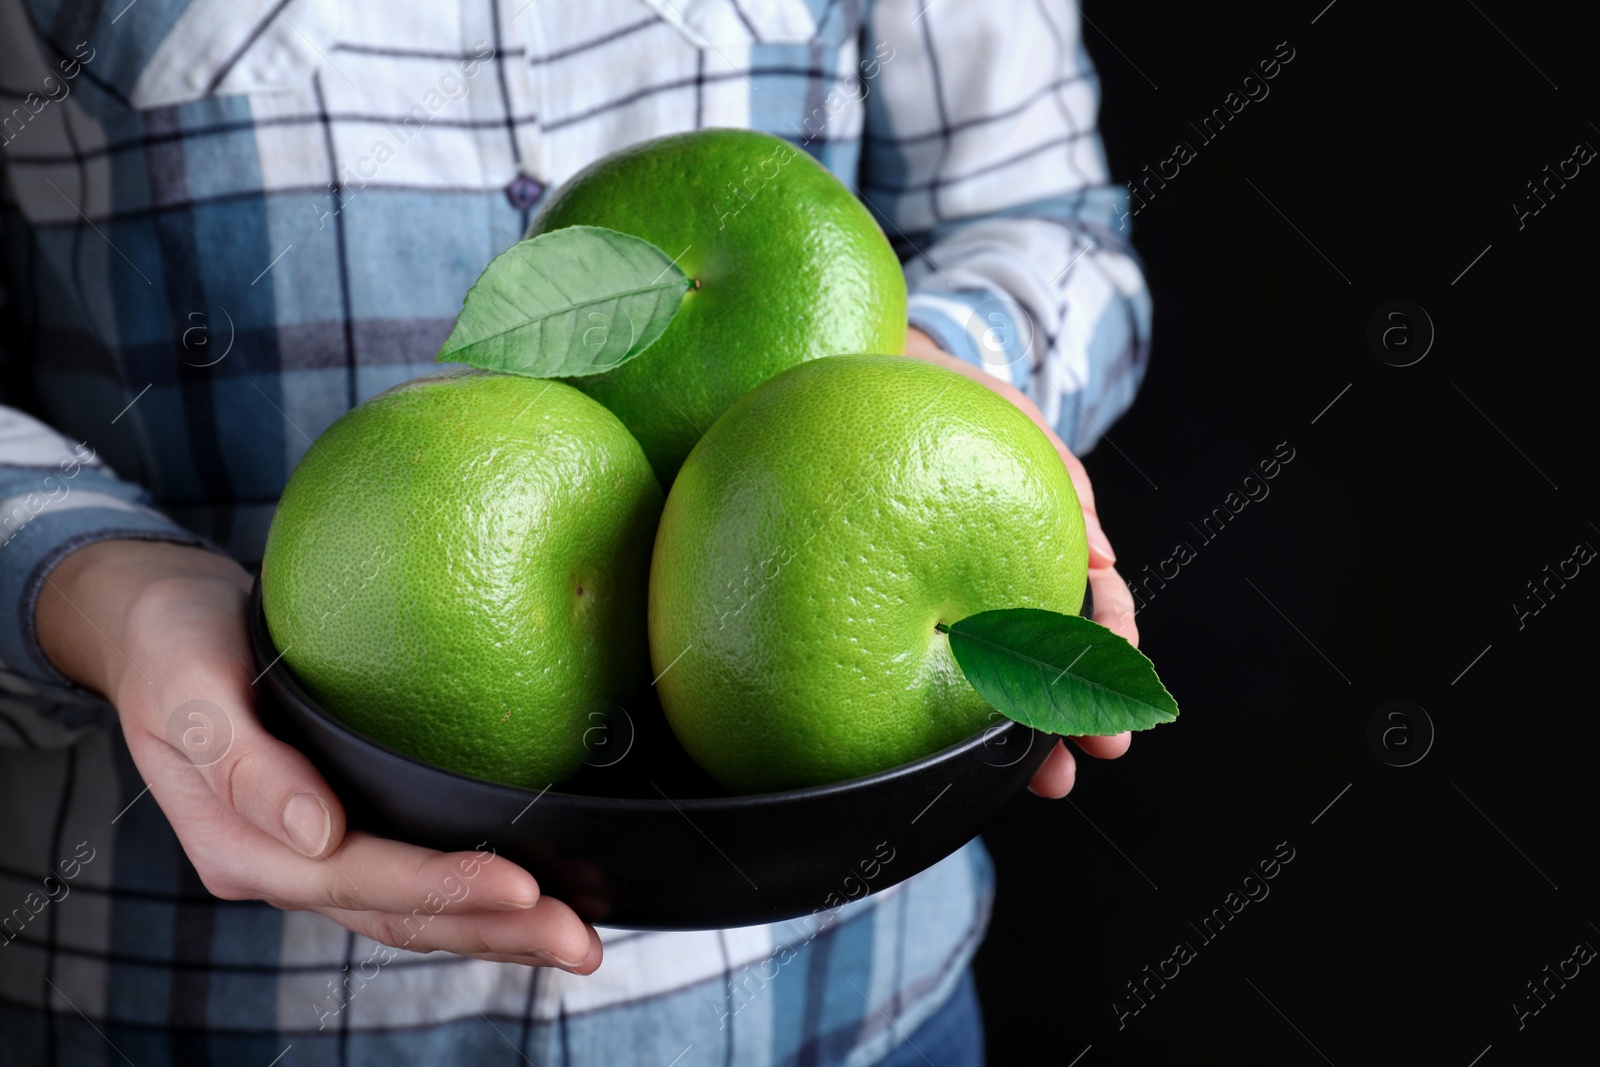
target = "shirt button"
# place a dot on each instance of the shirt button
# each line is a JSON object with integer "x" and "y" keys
{"x": 278, "y": 67}
{"x": 524, "y": 192}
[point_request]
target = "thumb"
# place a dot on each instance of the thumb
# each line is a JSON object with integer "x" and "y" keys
{"x": 270, "y": 784}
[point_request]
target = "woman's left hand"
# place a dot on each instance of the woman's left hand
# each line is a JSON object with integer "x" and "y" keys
{"x": 1113, "y": 603}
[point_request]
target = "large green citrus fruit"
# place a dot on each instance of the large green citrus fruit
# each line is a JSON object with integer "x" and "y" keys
{"x": 458, "y": 567}
{"x": 830, "y": 519}
{"x": 789, "y": 266}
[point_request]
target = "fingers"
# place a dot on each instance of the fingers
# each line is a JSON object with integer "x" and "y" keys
{"x": 1055, "y": 777}
{"x": 1101, "y": 554}
{"x": 374, "y": 874}
{"x": 549, "y": 935}
{"x": 1059, "y": 772}
{"x": 1080, "y": 473}
{"x": 1113, "y": 603}
{"x": 1105, "y": 747}
{"x": 1113, "y": 609}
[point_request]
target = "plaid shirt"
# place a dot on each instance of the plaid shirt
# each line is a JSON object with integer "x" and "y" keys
{"x": 225, "y": 222}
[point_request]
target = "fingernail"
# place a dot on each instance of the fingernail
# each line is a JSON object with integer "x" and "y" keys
{"x": 557, "y": 961}
{"x": 509, "y": 904}
{"x": 306, "y": 819}
{"x": 1098, "y": 539}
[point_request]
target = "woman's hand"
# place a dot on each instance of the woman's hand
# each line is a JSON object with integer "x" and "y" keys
{"x": 1113, "y": 603}
{"x": 159, "y": 629}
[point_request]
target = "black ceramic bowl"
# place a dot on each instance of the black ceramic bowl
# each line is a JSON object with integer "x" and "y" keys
{"x": 642, "y": 838}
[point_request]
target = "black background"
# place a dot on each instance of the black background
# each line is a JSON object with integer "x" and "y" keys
{"x": 1383, "y": 565}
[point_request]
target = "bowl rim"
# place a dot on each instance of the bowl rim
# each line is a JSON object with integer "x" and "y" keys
{"x": 261, "y": 639}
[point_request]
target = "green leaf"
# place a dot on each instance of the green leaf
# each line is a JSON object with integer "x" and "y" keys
{"x": 568, "y": 303}
{"x": 1062, "y": 674}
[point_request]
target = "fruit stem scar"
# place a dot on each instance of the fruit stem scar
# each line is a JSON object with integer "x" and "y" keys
{"x": 694, "y": 283}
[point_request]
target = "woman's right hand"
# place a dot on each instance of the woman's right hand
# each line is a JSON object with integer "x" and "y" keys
{"x": 159, "y": 629}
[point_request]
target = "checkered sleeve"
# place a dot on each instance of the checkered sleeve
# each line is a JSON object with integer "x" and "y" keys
{"x": 983, "y": 162}
{"x": 56, "y": 496}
